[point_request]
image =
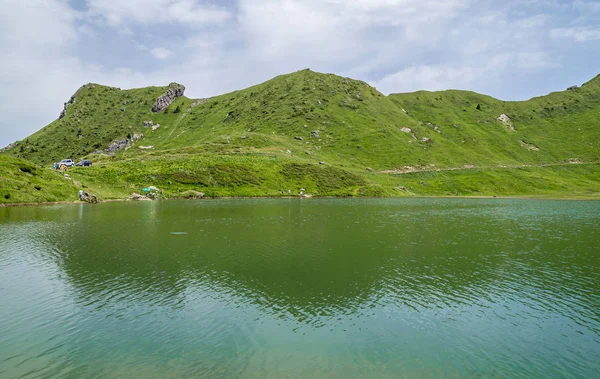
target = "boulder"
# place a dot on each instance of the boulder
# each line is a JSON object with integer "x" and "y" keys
{"x": 175, "y": 90}
{"x": 89, "y": 198}
{"x": 191, "y": 194}
{"x": 138, "y": 197}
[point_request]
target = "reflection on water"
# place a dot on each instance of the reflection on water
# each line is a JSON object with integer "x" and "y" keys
{"x": 325, "y": 288}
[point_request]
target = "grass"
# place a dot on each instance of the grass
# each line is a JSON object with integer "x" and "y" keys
{"x": 24, "y": 182}
{"x": 332, "y": 136}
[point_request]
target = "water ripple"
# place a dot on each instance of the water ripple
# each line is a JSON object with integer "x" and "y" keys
{"x": 416, "y": 288}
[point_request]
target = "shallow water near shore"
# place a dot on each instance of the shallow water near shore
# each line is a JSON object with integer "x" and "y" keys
{"x": 301, "y": 288}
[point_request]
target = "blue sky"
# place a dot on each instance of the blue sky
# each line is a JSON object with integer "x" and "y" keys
{"x": 511, "y": 50}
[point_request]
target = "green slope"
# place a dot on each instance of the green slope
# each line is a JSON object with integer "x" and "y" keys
{"x": 273, "y": 136}
{"x": 24, "y": 182}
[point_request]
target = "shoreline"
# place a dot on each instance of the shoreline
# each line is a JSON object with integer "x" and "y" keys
{"x": 509, "y": 197}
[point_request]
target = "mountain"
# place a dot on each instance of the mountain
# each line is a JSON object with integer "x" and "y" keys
{"x": 330, "y": 135}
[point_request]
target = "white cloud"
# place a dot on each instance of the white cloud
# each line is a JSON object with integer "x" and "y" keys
{"x": 191, "y": 12}
{"x": 160, "y": 53}
{"x": 534, "y": 60}
{"x": 398, "y": 45}
{"x": 578, "y": 34}
{"x": 36, "y": 64}
{"x": 434, "y": 77}
{"x": 587, "y": 6}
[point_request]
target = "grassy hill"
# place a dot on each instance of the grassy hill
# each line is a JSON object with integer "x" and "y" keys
{"x": 24, "y": 182}
{"x": 330, "y": 135}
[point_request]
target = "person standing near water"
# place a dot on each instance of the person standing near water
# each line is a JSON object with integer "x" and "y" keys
{"x": 80, "y": 194}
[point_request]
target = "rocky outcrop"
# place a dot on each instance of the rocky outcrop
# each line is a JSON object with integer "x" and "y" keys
{"x": 191, "y": 194}
{"x": 117, "y": 145}
{"x": 506, "y": 121}
{"x": 8, "y": 147}
{"x": 63, "y": 113}
{"x": 138, "y": 197}
{"x": 151, "y": 124}
{"x": 529, "y": 146}
{"x": 174, "y": 91}
{"x": 89, "y": 198}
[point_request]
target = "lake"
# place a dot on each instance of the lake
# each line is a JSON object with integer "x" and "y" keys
{"x": 311, "y": 288}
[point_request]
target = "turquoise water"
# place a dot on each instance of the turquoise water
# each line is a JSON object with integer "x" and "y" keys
{"x": 301, "y": 288}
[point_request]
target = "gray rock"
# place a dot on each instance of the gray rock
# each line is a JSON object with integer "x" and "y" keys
{"x": 63, "y": 113}
{"x": 89, "y": 198}
{"x": 117, "y": 145}
{"x": 175, "y": 91}
{"x": 298, "y": 138}
{"x": 315, "y": 133}
{"x": 191, "y": 194}
{"x": 370, "y": 169}
{"x": 572, "y": 88}
{"x": 8, "y": 147}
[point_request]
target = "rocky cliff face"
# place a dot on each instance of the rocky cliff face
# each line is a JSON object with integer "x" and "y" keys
{"x": 63, "y": 113}
{"x": 175, "y": 91}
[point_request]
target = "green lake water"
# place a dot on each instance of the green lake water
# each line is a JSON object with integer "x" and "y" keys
{"x": 318, "y": 288}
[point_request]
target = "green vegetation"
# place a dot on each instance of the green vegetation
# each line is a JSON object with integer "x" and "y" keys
{"x": 331, "y": 136}
{"x": 24, "y": 182}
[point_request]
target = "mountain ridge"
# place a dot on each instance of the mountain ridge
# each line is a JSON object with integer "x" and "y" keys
{"x": 299, "y": 129}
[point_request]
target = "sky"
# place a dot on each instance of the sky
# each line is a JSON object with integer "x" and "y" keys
{"x": 512, "y": 50}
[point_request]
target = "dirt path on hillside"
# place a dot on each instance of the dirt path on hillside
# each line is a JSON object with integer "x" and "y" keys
{"x": 432, "y": 168}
